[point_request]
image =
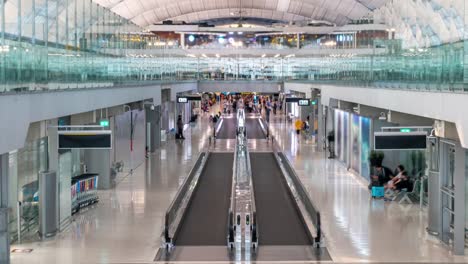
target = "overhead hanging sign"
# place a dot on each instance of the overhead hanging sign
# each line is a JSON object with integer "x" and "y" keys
{"x": 186, "y": 99}
{"x": 405, "y": 140}
{"x": 182, "y": 99}
{"x": 85, "y": 139}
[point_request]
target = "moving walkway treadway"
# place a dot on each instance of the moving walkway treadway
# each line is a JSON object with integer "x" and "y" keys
{"x": 205, "y": 220}
{"x": 253, "y": 128}
{"x": 278, "y": 217}
{"x": 228, "y": 128}
{"x": 198, "y": 216}
{"x": 285, "y": 216}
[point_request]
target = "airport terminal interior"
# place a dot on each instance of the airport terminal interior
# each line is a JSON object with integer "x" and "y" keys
{"x": 233, "y": 131}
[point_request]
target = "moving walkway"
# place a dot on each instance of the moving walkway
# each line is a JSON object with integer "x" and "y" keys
{"x": 236, "y": 206}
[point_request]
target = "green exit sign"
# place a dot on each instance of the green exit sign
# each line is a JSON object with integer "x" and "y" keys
{"x": 314, "y": 102}
{"x": 405, "y": 130}
{"x": 104, "y": 123}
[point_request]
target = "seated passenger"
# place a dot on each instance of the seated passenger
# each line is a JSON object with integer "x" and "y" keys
{"x": 403, "y": 183}
{"x": 379, "y": 176}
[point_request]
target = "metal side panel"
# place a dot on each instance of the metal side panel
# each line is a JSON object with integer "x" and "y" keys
{"x": 178, "y": 205}
{"x": 304, "y": 205}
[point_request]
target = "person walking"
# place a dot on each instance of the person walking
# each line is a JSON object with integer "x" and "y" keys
{"x": 298, "y": 126}
{"x": 267, "y": 114}
{"x": 180, "y": 128}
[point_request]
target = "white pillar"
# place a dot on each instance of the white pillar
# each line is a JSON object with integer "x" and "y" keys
{"x": 298, "y": 44}
{"x": 52, "y": 133}
{"x": 182, "y": 40}
{"x": 4, "y": 233}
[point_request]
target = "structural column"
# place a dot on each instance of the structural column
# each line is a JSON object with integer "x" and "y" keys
{"x": 459, "y": 206}
{"x": 153, "y": 127}
{"x": 321, "y": 134}
{"x": 52, "y": 133}
{"x": 4, "y": 234}
{"x": 182, "y": 40}
{"x": 298, "y": 43}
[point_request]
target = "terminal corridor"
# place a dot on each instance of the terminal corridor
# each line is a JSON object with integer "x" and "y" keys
{"x": 219, "y": 131}
{"x": 124, "y": 226}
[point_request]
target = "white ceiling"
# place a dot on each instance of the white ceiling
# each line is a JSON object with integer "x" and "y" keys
{"x": 147, "y": 12}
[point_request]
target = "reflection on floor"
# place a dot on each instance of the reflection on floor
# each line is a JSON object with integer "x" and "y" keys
{"x": 125, "y": 226}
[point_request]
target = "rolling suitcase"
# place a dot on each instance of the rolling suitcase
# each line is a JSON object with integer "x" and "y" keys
{"x": 378, "y": 191}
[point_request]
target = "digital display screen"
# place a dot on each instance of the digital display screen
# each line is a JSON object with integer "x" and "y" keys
{"x": 304, "y": 102}
{"x": 182, "y": 100}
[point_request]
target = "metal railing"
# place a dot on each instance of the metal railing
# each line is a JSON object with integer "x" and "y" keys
{"x": 175, "y": 211}
{"x": 301, "y": 192}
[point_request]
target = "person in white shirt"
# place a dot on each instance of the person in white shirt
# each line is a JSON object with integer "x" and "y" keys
{"x": 400, "y": 170}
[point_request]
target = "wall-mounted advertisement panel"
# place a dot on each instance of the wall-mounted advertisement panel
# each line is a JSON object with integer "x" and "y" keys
{"x": 352, "y": 141}
{"x": 355, "y": 157}
{"x": 365, "y": 146}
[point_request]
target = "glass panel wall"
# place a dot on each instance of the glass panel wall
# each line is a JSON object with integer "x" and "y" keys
{"x": 25, "y": 164}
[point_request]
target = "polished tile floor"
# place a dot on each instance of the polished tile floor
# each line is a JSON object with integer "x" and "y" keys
{"x": 125, "y": 226}
{"x": 356, "y": 227}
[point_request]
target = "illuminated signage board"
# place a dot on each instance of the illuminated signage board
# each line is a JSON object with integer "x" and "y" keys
{"x": 182, "y": 100}
{"x": 304, "y": 102}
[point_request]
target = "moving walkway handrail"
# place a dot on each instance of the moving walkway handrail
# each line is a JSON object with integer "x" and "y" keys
{"x": 301, "y": 192}
{"x": 173, "y": 210}
{"x": 232, "y": 206}
{"x": 253, "y": 207}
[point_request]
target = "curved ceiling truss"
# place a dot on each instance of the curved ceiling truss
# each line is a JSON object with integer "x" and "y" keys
{"x": 148, "y": 12}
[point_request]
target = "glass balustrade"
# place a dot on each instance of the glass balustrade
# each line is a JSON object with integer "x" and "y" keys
{"x": 28, "y": 67}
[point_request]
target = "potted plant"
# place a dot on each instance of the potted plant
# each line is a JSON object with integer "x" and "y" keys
{"x": 376, "y": 158}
